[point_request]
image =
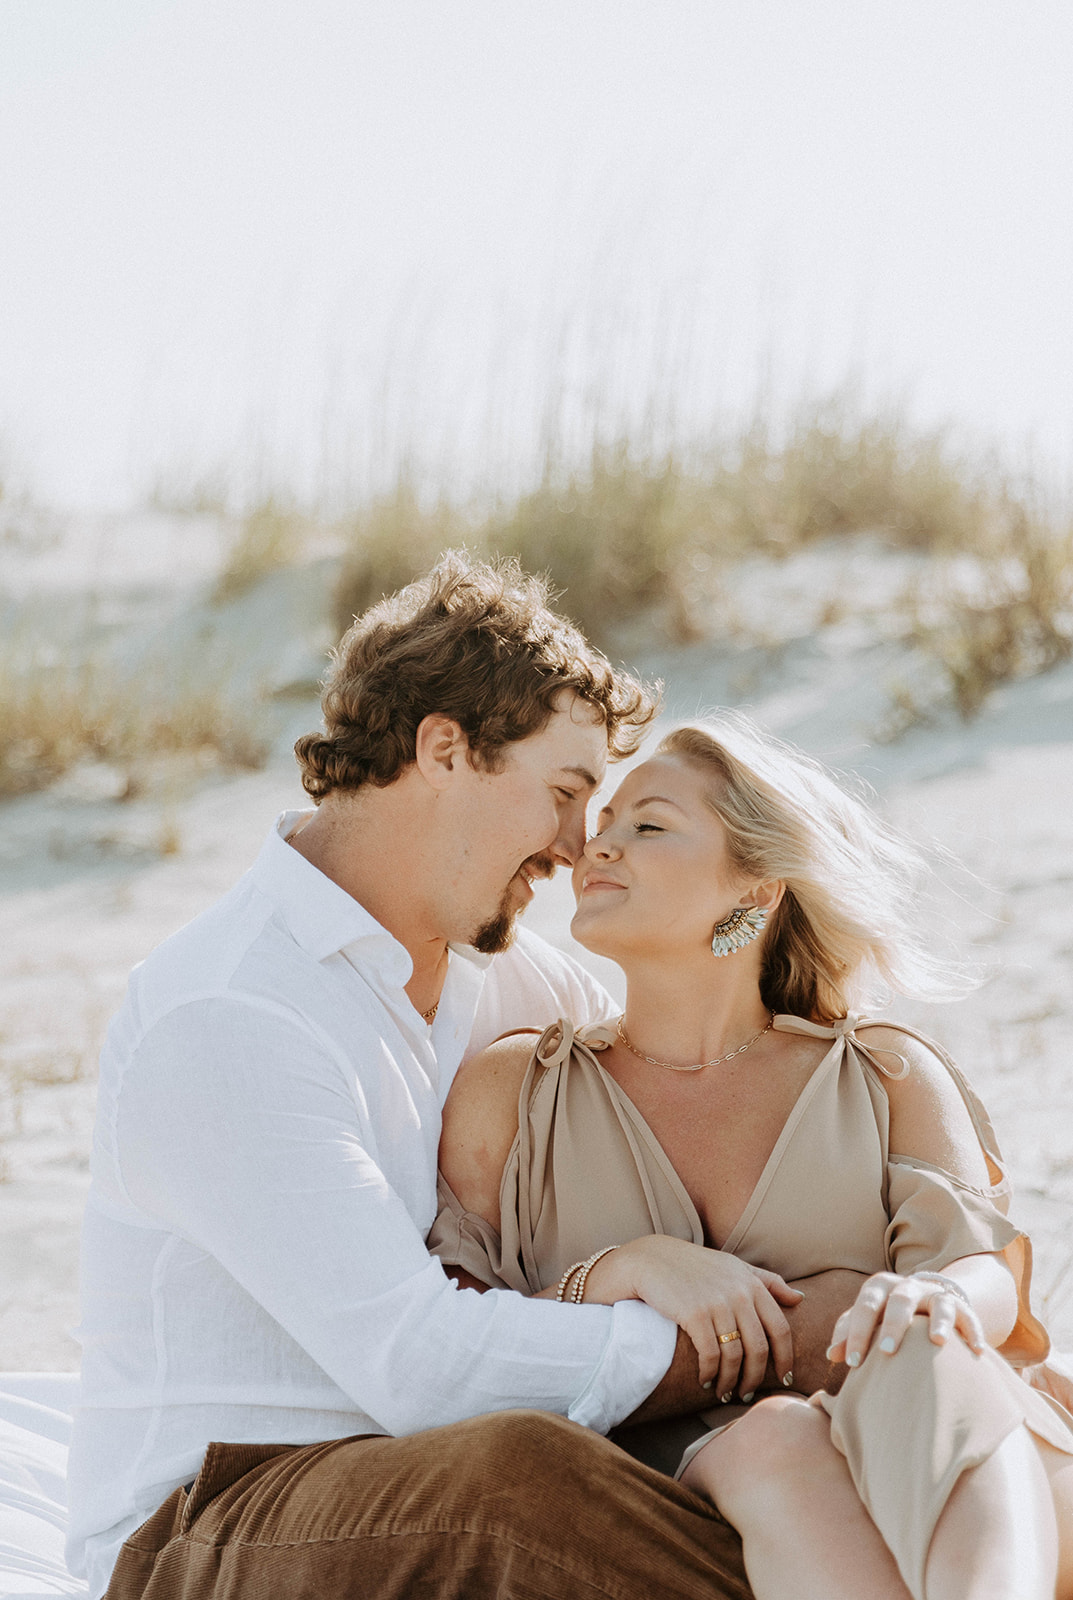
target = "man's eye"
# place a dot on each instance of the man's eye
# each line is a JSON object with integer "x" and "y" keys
{"x": 567, "y": 794}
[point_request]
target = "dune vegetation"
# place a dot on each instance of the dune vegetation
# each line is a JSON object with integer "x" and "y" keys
{"x": 629, "y": 535}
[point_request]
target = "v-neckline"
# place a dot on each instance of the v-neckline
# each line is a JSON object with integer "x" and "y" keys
{"x": 759, "y": 1190}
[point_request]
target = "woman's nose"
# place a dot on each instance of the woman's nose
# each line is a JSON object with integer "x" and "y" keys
{"x": 601, "y": 847}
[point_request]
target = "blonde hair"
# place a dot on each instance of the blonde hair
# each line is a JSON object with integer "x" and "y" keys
{"x": 847, "y": 932}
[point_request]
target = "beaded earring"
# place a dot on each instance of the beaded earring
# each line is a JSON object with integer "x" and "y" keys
{"x": 744, "y": 924}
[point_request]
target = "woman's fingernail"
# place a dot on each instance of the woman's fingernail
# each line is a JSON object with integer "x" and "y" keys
{"x": 707, "y": 1385}
{"x": 724, "y": 1399}
{"x": 854, "y": 1360}
{"x": 830, "y": 1352}
{"x": 788, "y": 1381}
{"x": 887, "y": 1345}
{"x": 747, "y": 1397}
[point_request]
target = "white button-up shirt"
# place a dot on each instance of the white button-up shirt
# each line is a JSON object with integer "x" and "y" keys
{"x": 263, "y": 1179}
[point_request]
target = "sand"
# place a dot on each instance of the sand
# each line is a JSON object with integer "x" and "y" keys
{"x": 89, "y": 884}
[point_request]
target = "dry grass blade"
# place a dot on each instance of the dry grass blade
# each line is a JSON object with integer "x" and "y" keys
{"x": 269, "y": 537}
{"x": 55, "y": 716}
{"x": 1007, "y": 614}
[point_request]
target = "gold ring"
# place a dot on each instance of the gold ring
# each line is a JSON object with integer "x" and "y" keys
{"x": 728, "y": 1338}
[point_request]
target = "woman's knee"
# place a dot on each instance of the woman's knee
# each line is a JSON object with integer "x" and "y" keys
{"x": 778, "y": 1438}
{"x": 761, "y": 1461}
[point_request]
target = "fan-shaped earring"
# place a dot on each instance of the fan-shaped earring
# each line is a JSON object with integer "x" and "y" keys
{"x": 744, "y": 924}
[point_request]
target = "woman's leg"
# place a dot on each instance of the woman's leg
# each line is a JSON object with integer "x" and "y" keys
{"x": 1006, "y": 1532}
{"x": 779, "y": 1480}
{"x": 1059, "y": 1469}
{"x": 997, "y": 1537}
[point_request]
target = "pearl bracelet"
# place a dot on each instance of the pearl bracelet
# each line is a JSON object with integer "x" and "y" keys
{"x": 949, "y": 1285}
{"x": 582, "y": 1268}
{"x": 565, "y": 1279}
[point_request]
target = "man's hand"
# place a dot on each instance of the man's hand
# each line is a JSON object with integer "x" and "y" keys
{"x": 812, "y": 1320}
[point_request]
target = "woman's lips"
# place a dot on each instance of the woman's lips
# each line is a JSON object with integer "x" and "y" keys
{"x": 593, "y": 885}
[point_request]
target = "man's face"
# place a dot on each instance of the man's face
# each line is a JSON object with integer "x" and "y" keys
{"x": 519, "y": 823}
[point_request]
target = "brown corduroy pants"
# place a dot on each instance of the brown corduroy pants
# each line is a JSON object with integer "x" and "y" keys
{"x": 518, "y": 1505}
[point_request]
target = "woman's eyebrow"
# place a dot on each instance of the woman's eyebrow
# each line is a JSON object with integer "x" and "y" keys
{"x": 649, "y": 800}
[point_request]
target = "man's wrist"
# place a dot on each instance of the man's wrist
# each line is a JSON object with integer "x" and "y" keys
{"x": 812, "y": 1320}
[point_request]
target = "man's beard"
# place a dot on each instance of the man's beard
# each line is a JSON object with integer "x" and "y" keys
{"x": 497, "y": 934}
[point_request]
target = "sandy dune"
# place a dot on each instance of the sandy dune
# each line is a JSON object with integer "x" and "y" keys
{"x": 85, "y": 892}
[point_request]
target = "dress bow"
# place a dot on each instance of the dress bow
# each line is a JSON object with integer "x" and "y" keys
{"x": 845, "y": 1029}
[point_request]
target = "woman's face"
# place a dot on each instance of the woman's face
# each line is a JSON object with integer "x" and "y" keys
{"x": 656, "y": 875}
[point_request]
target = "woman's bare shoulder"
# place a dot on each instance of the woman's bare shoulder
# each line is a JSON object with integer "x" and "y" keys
{"x": 493, "y": 1075}
{"x": 480, "y": 1122}
{"x": 929, "y": 1117}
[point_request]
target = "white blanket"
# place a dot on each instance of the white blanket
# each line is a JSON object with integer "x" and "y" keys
{"x": 35, "y": 1426}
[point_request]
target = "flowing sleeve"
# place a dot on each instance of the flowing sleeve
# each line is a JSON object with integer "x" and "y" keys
{"x": 462, "y": 1238}
{"x": 935, "y": 1219}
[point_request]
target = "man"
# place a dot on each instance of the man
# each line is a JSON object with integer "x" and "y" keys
{"x": 264, "y": 1167}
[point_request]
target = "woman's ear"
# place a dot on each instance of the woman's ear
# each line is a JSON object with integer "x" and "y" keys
{"x": 765, "y": 896}
{"x": 439, "y": 747}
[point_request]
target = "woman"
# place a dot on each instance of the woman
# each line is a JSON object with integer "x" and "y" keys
{"x": 739, "y": 1127}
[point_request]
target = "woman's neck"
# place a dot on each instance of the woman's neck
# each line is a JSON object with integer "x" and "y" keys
{"x": 696, "y": 1012}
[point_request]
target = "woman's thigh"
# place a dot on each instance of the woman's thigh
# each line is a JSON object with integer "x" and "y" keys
{"x": 1059, "y": 1469}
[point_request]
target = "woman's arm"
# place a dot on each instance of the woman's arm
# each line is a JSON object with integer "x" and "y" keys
{"x": 480, "y": 1123}
{"x": 705, "y": 1291}
{"x": 930, "y": 1122}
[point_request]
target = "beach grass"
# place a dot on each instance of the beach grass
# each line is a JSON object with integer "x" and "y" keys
{"x": 271, "y": 535}
{"x": 631, "y": 533}
{"x": 56, "y": 715}
{"x": 627, "y": 534}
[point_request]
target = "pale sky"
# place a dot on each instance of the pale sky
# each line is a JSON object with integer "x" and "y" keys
{"x": 313, "y": 235}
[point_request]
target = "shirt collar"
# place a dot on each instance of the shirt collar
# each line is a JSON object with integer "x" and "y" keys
{"x": 323, "y": 918}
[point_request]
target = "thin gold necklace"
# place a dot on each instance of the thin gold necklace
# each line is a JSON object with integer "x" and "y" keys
{"x": 700, "y": 1066}
{"x": 429, "y": 1016}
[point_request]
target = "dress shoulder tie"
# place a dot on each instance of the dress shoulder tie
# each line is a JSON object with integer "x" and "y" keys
{"x": 844, "y": 1030}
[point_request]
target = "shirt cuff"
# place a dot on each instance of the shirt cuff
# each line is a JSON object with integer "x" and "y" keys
{"x": 637, "y": 1355}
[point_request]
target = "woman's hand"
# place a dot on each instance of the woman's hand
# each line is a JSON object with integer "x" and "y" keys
{"x": 707, "y": 1293}
{"x": 887, "y": 1304}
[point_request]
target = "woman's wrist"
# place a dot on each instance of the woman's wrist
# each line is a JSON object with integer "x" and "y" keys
{"x": 611, "y": 1278}
{"x": 572, "y": 1284}
{"x": 944, "y": 1285}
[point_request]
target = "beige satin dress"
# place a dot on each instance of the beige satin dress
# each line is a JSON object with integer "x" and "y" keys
{"x": 586, "y": 1171}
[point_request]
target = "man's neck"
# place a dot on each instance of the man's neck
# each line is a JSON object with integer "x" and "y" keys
{"x": 356, "y": 840}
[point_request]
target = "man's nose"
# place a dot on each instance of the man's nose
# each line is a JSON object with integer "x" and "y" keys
{"x": 570, "y": 844}
{"x": 602, "y": 847}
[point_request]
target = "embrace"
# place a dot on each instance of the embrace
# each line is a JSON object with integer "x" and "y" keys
{"x": 413, "y": 1268}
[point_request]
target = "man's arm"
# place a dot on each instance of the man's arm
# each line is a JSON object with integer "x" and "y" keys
{"x": 239, "y": 1131}
{"x": 827, "y": 1295}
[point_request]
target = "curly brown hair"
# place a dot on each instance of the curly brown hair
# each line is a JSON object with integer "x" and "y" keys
{"x": 473, "y": 641}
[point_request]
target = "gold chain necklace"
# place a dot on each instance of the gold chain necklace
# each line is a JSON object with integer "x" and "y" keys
{"x": 429, "y": 1016}
{"x": 700, "y": 1066}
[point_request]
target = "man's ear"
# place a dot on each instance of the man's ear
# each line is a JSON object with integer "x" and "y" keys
{"x": 439, "y": 749}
